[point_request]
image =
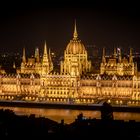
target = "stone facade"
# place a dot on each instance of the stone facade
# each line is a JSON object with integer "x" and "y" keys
{"x": 35, "y": 81}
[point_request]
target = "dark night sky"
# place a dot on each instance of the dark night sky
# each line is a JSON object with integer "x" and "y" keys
{"x": 100, "y": 23}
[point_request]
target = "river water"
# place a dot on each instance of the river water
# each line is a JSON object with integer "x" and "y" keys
{"x": 70, "y": 115}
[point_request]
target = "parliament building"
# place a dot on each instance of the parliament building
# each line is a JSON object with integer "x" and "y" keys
{"x": 76, "y": 83}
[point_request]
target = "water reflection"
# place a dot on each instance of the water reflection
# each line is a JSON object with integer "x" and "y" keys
{"x": 69, "y": 115}
{"x": 127, "y": 116}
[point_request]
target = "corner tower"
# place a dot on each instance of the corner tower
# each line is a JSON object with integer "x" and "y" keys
{"x": 23, "y": 63}
{"x": 47, "y": 65}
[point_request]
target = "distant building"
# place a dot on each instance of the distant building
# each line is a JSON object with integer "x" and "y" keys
{"x": 117, "y": 82}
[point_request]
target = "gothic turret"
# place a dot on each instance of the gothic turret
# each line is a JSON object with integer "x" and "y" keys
{"x": 130, "y": 56}
{"x": 45, "y": 56}
{"x": 103, "y": 57}
{"x": 23, "y": 64}
{"x": 24, "y": 56}
{"x": 120, "y": 56}
{"x": 37, "y": 55}
{"x": 115, "y": 53}
{"x": 50, "y": 60}
{"x": 47, "y": 65}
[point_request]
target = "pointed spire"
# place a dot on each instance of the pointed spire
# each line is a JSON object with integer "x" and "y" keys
{"x": 45, "y": 55}
{"x": 24, "y": 56}
{"x": 136, "y": 69}
{"x": 103, "y": 52}
{"x": 130, "y": 56}
{"x": 45, "y": 49}
{"x": 47, "y": 66}
{"x": 120, "y": 56}
{"x": 14, "y": 65}
{"x": 50, "y": 56}
{"x": 115, "y": 53}
{"x": 37, "y": 54}
{"x": 103, "y": 56}
{"x": 50, "y": 59}
{"x": 75, "y": 34}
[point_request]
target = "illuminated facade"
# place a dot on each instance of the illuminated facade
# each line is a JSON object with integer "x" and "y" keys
{"x": 75, "y": 57}
{"x": 118, "y": 65}
{"x": 35, "y": 65}
{"x": 36, "y": 81}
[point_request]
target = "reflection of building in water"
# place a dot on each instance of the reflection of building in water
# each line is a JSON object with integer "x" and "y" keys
{"x": 36, "y": 80}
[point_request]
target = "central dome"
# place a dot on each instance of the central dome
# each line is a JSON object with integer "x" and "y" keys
{"x": 75, "y": 46}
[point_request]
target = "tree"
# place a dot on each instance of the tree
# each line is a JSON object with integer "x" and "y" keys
{"x": 106, "y": 111}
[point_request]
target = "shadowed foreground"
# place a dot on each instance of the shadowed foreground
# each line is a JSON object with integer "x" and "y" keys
{"x": 14, "y": 126}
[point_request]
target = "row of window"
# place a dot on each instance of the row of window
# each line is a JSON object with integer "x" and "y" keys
{"x": 107, "y": 85}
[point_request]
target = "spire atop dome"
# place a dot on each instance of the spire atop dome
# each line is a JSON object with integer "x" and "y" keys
{"x": 75, "y": 34}
{"x": 75, "y": 45}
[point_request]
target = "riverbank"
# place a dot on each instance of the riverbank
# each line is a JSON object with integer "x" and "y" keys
{"x": 14, "y": 126}
{"x": 116, "y": 108}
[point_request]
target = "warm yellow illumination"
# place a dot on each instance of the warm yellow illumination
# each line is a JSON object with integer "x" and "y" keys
{"x": 117, "y": 82}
